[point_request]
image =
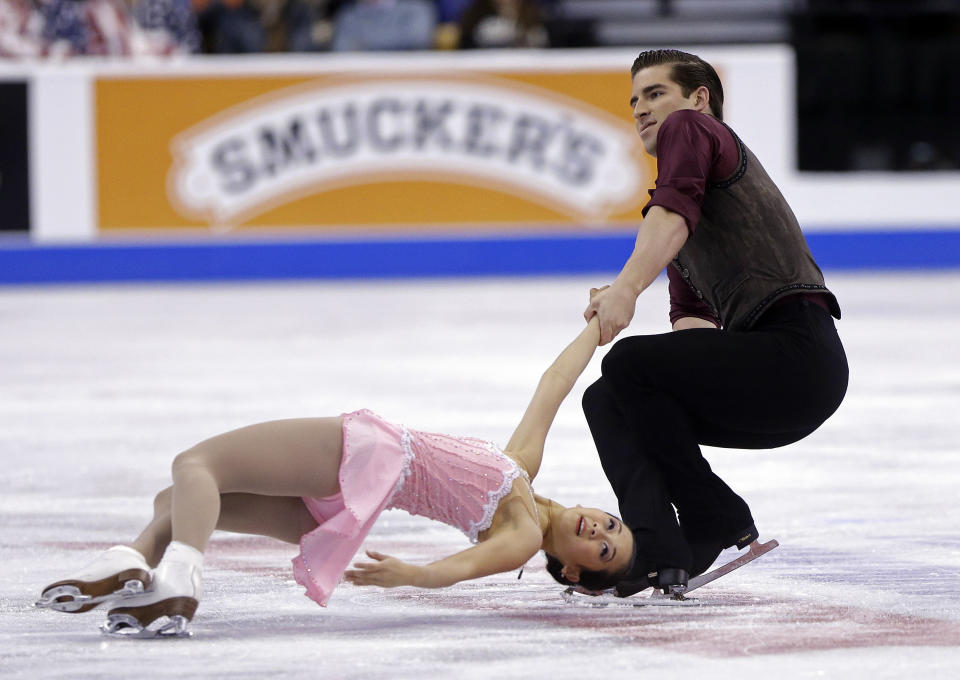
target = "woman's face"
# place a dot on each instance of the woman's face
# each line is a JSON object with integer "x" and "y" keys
{"x": 591, "y": 539}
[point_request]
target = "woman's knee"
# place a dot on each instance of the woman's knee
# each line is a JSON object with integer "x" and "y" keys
{"x": 190, "y": 462}
{"x": 161, "y": 502}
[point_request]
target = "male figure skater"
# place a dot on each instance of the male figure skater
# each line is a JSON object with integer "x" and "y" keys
{"x": 754, "y": 360}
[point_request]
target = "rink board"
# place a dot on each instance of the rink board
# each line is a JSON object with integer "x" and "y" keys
{"x": 21, "y": 263}
{"x": 401, "y": 145}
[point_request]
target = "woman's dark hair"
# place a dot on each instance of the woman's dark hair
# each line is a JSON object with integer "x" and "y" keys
{"x": 591, "y": 580}
{"x": 689, "y": 72}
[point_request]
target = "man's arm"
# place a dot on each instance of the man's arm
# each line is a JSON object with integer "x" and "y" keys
{"x": 661, "y": 236}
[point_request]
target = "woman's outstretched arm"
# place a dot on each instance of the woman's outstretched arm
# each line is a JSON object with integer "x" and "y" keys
{"x": 526, "y": 444}
{"x": 503, "y": 551}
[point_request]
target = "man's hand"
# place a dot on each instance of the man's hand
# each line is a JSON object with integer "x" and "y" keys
{"x": 614, "y": 306}
{"x": 660, "y": 237}
{"x": 386, "y": 571}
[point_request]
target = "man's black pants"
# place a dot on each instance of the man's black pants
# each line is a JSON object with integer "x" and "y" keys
{"x": 661, "y": 396}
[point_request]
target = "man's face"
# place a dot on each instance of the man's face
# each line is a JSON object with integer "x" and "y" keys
{"x": 654, "y": 97}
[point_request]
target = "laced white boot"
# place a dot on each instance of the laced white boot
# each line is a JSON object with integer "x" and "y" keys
{"x": 120, "y": 572}
{"x": 167, "y": 608}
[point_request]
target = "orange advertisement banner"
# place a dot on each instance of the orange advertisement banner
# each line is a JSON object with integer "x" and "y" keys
{"x": 451, "y": 150}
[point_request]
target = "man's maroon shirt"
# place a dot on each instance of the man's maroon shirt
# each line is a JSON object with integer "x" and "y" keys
{"x": 693, "y": 149}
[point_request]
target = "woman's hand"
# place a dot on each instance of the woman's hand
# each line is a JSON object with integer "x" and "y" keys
{"x": 613, "y": 306}
{"x": 594, "y": 291}
{"x": 386, "y": 572}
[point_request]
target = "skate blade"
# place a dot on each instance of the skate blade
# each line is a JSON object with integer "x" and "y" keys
{"x": 124, "y": 626}
{"x": 657, "y": 599}
{"x": 71, "y": 600}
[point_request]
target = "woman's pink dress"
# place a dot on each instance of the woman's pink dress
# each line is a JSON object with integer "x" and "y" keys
{"x": 456, "y": 480}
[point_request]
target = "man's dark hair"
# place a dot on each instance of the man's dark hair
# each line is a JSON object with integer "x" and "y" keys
{"x": 689, "y": 72}
{"x": 591, "y": 580}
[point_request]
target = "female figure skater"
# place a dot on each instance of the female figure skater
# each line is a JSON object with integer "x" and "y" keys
{"x": 322, "y": 482}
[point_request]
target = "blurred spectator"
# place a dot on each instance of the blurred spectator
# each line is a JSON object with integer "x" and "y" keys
{"x": 502, "y": 23}
{"x": 63, "y": 28}
{"x": 230, "y": 26}
{"x": 450, "y": 11}
{"x": 87, "y": 27}
{"x": 21, "y": 29}
{"x": 290, "y": 26}
{"x": 173, "y": 18}
{"x": 298, "y": 25}
{"x": 385, "y": 25}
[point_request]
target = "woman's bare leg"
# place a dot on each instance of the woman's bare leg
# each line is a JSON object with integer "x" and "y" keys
{"x": 155, "y": 537}
{"x": 285, "y": 518}
{"x": 298, "y": 457}
{"x": 282, "y": 517}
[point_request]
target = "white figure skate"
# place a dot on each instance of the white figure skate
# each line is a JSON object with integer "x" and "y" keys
{"x": 168, "y": 607}
{"x": 120, "y": 572}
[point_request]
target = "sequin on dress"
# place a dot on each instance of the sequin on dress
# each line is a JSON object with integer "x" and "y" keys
{"x": 456, "y": 480}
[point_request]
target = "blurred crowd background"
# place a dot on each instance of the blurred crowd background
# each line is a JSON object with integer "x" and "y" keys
{"x": 58, "y": 28}
{"x": 891, "y": 67}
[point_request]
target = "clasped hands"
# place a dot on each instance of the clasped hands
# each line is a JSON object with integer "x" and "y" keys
{"x": 614, "y": 306}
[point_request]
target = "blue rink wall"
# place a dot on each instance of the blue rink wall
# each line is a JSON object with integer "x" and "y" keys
{"x": 24, "y": 263}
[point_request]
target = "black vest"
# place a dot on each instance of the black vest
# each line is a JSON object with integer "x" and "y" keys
{"x": 748, "y": 250}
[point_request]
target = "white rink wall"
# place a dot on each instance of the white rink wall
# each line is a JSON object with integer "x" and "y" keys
{"x": 758, "y": 81}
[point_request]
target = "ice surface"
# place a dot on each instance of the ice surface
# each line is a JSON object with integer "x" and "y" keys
{"x": 101, "y": 386}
